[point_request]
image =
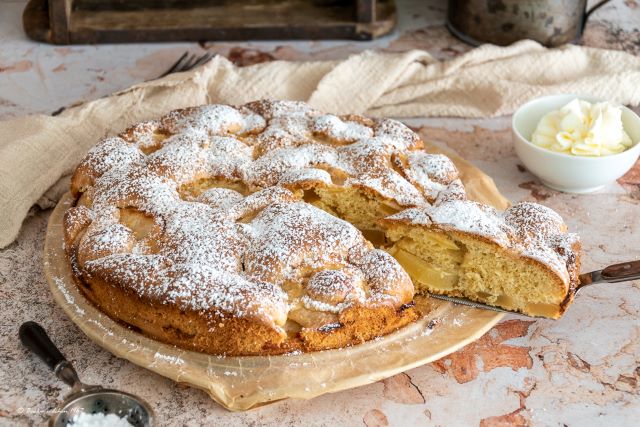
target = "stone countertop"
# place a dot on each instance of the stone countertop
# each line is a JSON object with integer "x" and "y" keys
{"x": 581, "y": 370}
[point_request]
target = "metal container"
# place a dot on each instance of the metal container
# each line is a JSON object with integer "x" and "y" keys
{"x": 84, "y": 398}
{"x": 502, "y": 22}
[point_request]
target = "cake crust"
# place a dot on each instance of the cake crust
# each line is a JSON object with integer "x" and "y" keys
{"x": 239, "y": 230}
{"x": 216, "y": 228}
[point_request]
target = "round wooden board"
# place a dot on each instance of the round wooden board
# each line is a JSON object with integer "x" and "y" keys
{"x": 240, "y": 383}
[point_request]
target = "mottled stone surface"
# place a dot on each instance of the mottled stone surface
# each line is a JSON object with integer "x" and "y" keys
{"x": 581, "y": 370}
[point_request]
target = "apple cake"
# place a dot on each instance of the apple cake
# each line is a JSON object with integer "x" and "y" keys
{"x": 521, "y": 259}
{"x": 260, "y": 229}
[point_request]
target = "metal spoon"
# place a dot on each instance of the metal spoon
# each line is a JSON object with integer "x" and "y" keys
{"x": 616, "y": 273}
{"x": 91, "y": 399}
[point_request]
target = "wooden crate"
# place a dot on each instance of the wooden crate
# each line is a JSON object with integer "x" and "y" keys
{"x": 127, "y": 21}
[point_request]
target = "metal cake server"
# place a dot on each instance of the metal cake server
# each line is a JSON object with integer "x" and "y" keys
{"x": 615, "y": 273}
{"x": 91, "y": 399}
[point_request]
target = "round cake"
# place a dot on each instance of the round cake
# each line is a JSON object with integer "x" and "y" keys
{"x": 237, "y": 230}
{"x": 258, "y": 229}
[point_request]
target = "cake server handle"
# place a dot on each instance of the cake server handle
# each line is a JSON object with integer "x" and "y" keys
{"x": 615, "y": 273}
{"x": 35, "y": 338}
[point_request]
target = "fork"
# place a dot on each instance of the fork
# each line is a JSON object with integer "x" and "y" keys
{"x": 186, "y": 62}
{"x": 616, "y": 273}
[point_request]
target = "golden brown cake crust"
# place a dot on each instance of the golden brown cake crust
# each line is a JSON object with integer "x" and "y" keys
{"x": 192, "y": 228}
{"x": 218, "y": 229}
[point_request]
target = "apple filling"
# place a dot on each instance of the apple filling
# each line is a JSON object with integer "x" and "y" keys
{"x": 440, "y": 262}
{"x": 424, "y": 273}
{"x": 193, "y": 189}
{"x": 141, "y": 224}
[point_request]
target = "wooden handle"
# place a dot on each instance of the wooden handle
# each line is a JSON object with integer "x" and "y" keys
{"x": 35, "y": 338}
{"x": 622, "y": 272}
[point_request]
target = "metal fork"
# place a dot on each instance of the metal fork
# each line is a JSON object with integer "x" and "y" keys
{"x": 188, "y": 62}
{"x": 616, "y": 273}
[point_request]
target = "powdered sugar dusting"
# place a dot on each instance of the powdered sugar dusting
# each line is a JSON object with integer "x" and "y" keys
{"x": 110, "y": 153}
{"x": 217, "y": 251}
{"x": 471, "y": 217}
{"x": 60, "y": 283}
{"x": 430, "y": 172}
{"x": 266, "y": 143}
{"x": 333, "y": 127}
{"x": 159, "y": 226}
{"x": 213, "y": 119}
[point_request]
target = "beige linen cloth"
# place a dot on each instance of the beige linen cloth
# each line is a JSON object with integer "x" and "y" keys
{"x": 37, "y": 151}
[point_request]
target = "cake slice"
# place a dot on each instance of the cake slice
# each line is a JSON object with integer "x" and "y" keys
{"x": 521, "y": 259}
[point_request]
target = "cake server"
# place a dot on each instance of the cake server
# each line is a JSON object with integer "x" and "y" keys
{"x": 615, "y": 273}
{"x": 91, "y": 399}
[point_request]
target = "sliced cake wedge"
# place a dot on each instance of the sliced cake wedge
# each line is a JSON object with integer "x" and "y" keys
{"x": 521, "y": 259}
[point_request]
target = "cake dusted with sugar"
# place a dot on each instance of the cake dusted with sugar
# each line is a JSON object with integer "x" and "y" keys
{"x": 228, "y": 274}
{"x": 219, "y": 229}
{"x": 521, "y": 259}
{"x": 258, "y": 229}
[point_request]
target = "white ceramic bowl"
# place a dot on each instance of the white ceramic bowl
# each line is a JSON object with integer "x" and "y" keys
{"x": 572, "y": 174}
